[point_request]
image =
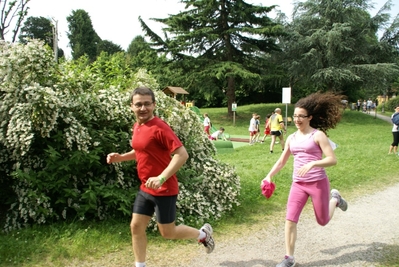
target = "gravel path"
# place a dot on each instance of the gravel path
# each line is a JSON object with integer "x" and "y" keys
{"x": 357, "y": 237}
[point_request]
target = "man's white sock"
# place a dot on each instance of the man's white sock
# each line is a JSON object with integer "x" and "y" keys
{"x": 202, "y": 235}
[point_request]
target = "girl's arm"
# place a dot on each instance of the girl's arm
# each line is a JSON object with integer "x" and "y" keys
{"x": 329, "y": 160}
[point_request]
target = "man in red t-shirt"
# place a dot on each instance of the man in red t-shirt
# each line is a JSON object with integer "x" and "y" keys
{"x": 153, "y": 143}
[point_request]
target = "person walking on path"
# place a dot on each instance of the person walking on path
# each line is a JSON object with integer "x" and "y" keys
{"x": 153, "y": 143}
{"x": 395, "y": 134}
{"x": 276, "y": 124}
{"x": 313, "y": 116}
{"x": 369, "y": 105}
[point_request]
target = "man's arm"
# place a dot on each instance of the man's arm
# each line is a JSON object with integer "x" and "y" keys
{"x": 116, "y": 157}
{"x": 180, "y": 157}
{"x": 282, "y": 126}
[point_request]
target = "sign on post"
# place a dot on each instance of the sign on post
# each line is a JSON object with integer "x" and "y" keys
{"x": 286, "y": 101}
{"x": 286, "y": 95}
{"x": 234, "y": 106}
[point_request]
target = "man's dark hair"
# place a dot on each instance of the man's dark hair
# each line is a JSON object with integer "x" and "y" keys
{"x": 142, "y": 91}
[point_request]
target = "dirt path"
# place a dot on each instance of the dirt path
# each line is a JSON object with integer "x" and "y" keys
{"x": 357, "y": 237}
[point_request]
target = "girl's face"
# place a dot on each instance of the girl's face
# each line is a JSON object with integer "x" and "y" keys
{"x": 301, "y": 118}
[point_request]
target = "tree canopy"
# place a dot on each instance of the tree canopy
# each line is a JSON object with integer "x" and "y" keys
{"x": 217, "y": 44}
{"x": 333, "y": 45}
{"x": 82, "y": 36}
{"x": 108, "y": 47}
{"x": 39, "y": 28}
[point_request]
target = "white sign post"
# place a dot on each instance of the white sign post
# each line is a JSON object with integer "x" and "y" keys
{"x": 234, "y": 108}
{"x": 286, "y": 101}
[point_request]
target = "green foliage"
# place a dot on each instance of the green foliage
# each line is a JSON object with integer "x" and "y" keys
{"x": 391, "y": 104}
{"x": 138, "y": 45}
{"x": 54, "y": 134}
{"x": 390, "y": 35}
{"x": 112, "y": 70}
{"x": 58, "y": 123}
{"x": 333, "y": 45}
{"x": 108, "y": 47}
{"x": 37, "y": 28}
{"x": 82, "y": 36}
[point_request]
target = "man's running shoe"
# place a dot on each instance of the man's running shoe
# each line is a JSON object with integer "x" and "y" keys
{"x": 208, "y": 240}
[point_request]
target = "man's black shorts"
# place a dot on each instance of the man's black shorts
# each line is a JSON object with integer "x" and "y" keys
{"x": 276, "y": 133}
{"x": 163, "y": 206}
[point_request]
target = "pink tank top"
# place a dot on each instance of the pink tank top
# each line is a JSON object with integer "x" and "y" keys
{"x": 306, "y": 150}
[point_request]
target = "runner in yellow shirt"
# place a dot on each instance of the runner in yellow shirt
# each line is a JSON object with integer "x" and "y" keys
{"x": 276, "y": 128}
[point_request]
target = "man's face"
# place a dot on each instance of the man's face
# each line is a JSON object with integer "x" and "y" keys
{"x": 143, "y": 108}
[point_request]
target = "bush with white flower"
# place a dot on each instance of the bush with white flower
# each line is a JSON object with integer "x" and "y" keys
{"x": 58, "y": 123}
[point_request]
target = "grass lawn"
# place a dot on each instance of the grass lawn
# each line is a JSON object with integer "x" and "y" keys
{"x": 363, "y": 143}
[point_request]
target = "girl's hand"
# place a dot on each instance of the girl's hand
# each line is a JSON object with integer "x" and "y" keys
{"x": 304, "y": 169}
{"x": 267, "y": 178}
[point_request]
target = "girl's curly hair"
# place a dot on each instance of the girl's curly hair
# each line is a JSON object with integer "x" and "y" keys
{"x": 325, "y": 109}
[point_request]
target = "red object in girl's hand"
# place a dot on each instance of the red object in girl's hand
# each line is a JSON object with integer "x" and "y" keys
{"x": 268, "y": 188}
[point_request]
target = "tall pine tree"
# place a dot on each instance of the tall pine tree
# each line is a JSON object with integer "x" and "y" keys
{"x": 217, "y": 44}
{"x": 82, "y": 36}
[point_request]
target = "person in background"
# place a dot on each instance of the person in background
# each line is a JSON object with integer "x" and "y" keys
{"x": 207, "y": 124}
{"x": 344, "y": 103}
{"x": 218, "y": 134}
{"x": 358, "y": 104}
{"x": 364, "y": 105}
{"x": 313, "y": 116}
{"x": 369, "y": 104}
{"x": 153, "y": 142}
{"x": 395, "y": 134}
{"x": 276, "y": 124}
{"x": 252, "y": 128}
{"x": 257, "y": 122}
{"x": 267, "y": 128}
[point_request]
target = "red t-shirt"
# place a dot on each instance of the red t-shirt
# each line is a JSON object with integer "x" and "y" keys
{"x": 154, "y": 142}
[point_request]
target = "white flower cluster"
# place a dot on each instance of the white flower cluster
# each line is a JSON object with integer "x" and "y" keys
{"x": 58, "y": 123}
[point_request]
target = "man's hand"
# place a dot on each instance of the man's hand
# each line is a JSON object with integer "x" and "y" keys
{"x": 153, "y": 183}
{"x": 113, "y": 157}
